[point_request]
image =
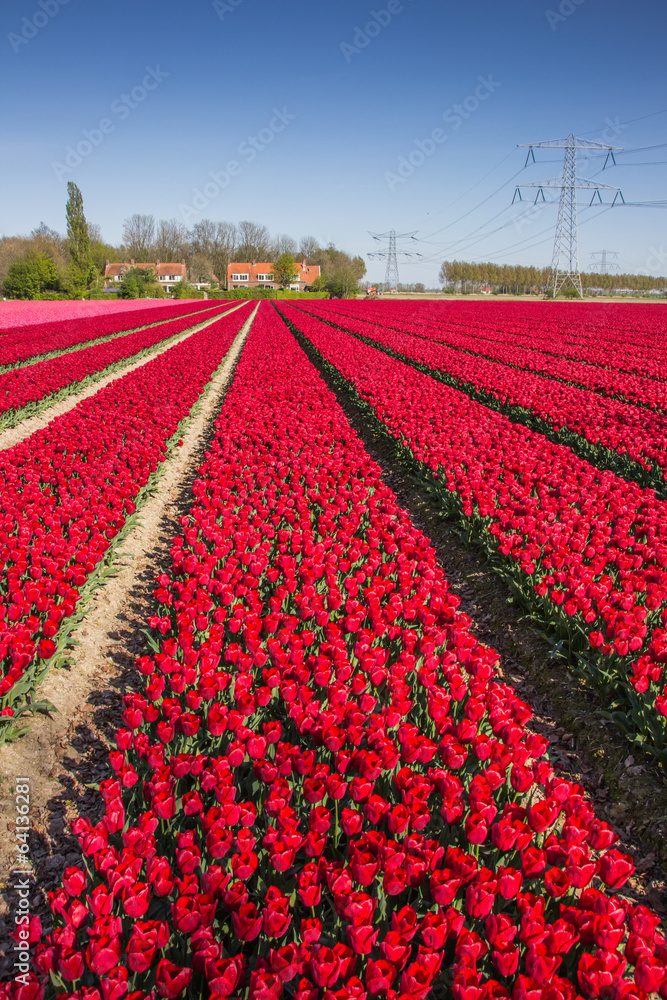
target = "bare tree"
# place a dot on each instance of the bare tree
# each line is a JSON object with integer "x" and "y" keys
{"x": 308, "y": 247}
{"x": 215, "y": 240}
{"x": 202, "y": 237}
{"x": 223, "y": 249}
{"x": 201, "y": 268}
{"x": 94, "y": 233}
{"x": 172, "y": 241}
{"x": 139, "y": 237}
{"x": 283, "y": 243}
{"x": 253, "y": 243}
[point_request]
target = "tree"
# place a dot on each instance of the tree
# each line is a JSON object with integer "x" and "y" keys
{"x": 285, "y": 270}
{"x": 284, "y": 244}
{"x": 216, "y": 241}
{"x": 308, "y": 248}
{"x": 139, "y": 237}
{"x": 182, "y": 290}
{"x": 138, "y": 282}
{"x": 172, "y": 241}
{"x": 41, "y": 240}
{"x": 201, "y": 268}
{"x": 28, "y": 278}
{"x": 253, "y": 243}
{"x": 319, "y": 285}
{"x": 101, "y": 253}
{"x": 129, "y": 287}
{"x": 342, "y": 273}
{"x": 81, "y": 270}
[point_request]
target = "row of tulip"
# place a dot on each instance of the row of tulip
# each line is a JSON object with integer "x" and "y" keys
{"x": 323, "y": 790}
{"x": 26, "y": 390}
{"x": 623, "y": 337}
{"x": 28, "y": 312}
{"x": 22, "y": 343}
{"x": 628, "y": 439}
{"x": 69, "y": 489}
{"x": 645, "y": 388}
{"x": 583, "y": 547}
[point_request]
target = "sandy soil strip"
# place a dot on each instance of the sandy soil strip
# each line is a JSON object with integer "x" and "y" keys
{"x": 63, "y": 752}
{"x": 23, "y": 430}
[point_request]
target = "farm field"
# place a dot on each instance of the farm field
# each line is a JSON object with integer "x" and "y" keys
{"x": 334, "y": 637}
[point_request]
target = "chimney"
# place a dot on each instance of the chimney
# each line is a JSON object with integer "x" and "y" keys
{"x": 108, "y": 262}
{"x": 131, "y": 263}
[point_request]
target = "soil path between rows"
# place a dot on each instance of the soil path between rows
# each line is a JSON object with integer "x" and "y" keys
{"x": 14, "y": 435}
{"x": 62, "y": 753}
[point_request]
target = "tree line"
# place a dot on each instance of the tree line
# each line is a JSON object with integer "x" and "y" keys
{"x": 46, "y": 264}
{"x": 515, "y": 278}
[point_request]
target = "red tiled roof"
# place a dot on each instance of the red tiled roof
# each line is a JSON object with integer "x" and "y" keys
{"x": 177, "y": 269}
{"x": 307, "y": 272}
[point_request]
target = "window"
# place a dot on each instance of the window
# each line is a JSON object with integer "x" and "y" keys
{"x": 265, "y": 277}
{"x": 240, "y": 277}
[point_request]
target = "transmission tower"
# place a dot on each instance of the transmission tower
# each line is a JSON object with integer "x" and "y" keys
{"x": 603, "y": 264}
{"x": 565, "y": 260}
{"x": 392, "y": 254}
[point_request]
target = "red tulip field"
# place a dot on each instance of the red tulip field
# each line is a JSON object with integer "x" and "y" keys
{"x": 322, "y": 784}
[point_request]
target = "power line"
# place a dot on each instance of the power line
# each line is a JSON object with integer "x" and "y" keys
{"x": 630, "y": 121}
{"x": 471, "y": 188}
{"x": 470, "y": 211}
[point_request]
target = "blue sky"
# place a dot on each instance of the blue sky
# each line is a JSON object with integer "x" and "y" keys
{"x": 300, "y": 115}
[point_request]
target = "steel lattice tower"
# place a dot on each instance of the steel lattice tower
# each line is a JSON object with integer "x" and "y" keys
{"x": 603, "y": 264}
{"x": 392, "y": 253}
{"x": 391, "y": 274}
{"x": 565, "y": 259}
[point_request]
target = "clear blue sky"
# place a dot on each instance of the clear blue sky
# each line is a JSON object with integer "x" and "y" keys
{"x": 352, "y": 104}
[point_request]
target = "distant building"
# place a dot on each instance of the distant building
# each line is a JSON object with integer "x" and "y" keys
{"x": 262, "y": 276}
{"x": 166, "y": 274}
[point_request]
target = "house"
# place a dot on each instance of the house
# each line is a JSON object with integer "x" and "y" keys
{"x": 167, "y": 274}
{"x": 261, "y": 276}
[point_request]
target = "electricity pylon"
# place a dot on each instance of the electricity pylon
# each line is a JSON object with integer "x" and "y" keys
{"x": 603, "y": 264}
{"x": 565, "y": 259}
{"x": 391, "y": 254}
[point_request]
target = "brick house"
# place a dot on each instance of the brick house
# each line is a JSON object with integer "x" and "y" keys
{"x": 261, "y": 276}
{"x": 166, "y": 274}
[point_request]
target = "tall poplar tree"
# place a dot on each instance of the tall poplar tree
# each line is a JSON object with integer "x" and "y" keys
{"x": 81, "y": 270}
